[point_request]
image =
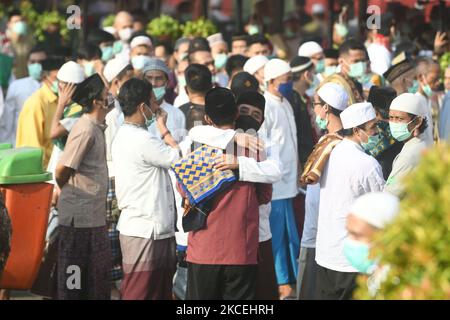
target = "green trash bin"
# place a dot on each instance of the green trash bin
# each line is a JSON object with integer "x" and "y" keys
{"x": 28, "y": 200}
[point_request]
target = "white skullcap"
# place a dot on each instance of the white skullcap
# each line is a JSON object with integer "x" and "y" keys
{"x": 255, "y": 63}
{"x": 215, "y": 39}
{"x": 140, "y": 41}
{"x": 357, "y": 114}
{"x": 407, "y": 102}
{"x": 317, "y": 8}
{"x": 275, "y": 68}
{"x": 308, "y": 49}
{"x": 376, "y": 208}
{"x": 334, "y": 95}
{"x": 114, "y": 67}
{"x": 71, "y": 72}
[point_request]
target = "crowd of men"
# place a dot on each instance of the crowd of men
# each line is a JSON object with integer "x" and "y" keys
{"x": 301, "y": 161}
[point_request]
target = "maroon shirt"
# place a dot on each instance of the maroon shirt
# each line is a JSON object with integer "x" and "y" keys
{"x": 232, "y": 229}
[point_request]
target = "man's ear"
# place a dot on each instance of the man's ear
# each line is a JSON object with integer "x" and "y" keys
{"x": 208, "y": 120}
{"x": 326, "y": 107}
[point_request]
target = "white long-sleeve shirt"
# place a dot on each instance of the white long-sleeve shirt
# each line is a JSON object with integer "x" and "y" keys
{"x": 176, "y": 123}
{"x": 18, "y": 91}
{"x": 267, "y": 171}
{"x": 348, "y": 174}
{"x": 281, "y": 135}
{"x": 143, "y": 187}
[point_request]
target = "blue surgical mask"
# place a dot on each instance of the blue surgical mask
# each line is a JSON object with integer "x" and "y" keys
{"x": 427, "y": 90}
{"x": 139, "y": 62}
{"x": 321, "y": 123}
{"x": 20, "y": 28}
{"x": 89, "y": 69}
{"x": 107, "y": 53}
{"x": 159, "y": 92}
{"x": 220, "y": 60}
{"x": 357, "y": 69}
{"x": 414, "y": 87}
{"x": 329, "y": 70}
{"x": 149, "y": 122}
{"x": 320, "y": 66}
{"x": 35, "y": 71}
{"x": 286, "y": 89}
{"x": 357, "y": 253}
{"x": 399, "y": 130}
{"x": 117, "y": 47}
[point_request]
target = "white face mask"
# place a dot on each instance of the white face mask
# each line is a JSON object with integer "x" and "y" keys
{"x": 125, "y": 34}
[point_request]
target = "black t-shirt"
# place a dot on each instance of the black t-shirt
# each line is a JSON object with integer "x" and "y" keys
{"x": 187, "y": 108}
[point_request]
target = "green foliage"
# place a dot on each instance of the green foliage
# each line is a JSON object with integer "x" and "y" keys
{"x": 199, "y": 28}
{"x": 416, "y": 245}
{"x": 51, "y": 19}
{"x": 444, "y": 62}
{"x": 108, "y": 21}
{"x": 164, "y": 27}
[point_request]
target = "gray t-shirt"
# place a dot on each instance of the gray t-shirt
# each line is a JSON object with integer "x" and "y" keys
{"x": 311, "y": 216}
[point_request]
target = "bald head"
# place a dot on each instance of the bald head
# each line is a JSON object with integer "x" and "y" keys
{"x": 123, "y": 20}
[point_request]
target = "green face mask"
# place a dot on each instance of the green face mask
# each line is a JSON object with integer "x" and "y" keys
{"x": 357, "y": 253}
{"x": 35, "y": 71}
{"x": 220, "y": 61}
{"x": 107, "y": 53}
{"x": 149, "y": 122}
{"x": 253, "y": 29}
{"x": 414, "y": 87}
{"x": 89, "y": 69}
{"x": 320, "y": 66}
{"x": 329, "y": 70}
{"x": 54, "y": 87}
{"x": 357, "y": 69}
{"x": 400, "y": 130}
{"x": 321, "y": 123}
{"x": 117, "y": 47}
{"x": 159, "y": 93}
{"x": 372, "y": 142}
{"x": 427, "y": 90}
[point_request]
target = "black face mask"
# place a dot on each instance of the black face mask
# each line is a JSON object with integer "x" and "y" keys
{"x": 246, "y": 122}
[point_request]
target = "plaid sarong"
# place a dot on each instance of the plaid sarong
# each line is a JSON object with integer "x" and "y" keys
{"x": 198, "y": 177}
{"x": 112, "y": 217}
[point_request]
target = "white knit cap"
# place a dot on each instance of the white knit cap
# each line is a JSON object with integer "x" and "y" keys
{"x": 71, "y": 72}
{"x": 308, "y": 49}
{"x": 275, "y": 68}
{"x": 357, "y": 114}
{"x": 407, "y": 102}
{"x": 140, "y": 41}
{"x": 215, "y": 39}
{"x": 376, "y": 208}
{"x": 255, "y": 63}
{"x": 334, "y": 95}
{"x": 114, "y": 67}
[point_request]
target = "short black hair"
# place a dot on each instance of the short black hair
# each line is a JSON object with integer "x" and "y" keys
{"x": 167, "y": 46}
{"x": 257, "y": 38}
{"x": 239, "y": 36}
{"x": 37, "y": 48}
{"x": 132, "y": 93}
{"x": 195, "y": 115}
{"x": 235, "y": 62}
{"x": 220, "y": 106}
{"x": 88, "y": 91}
{"x": 198, "y": 78}
{"x": 89, "y": 51}
{"x": 98, "y": 36}
{"x": 14, "y": 12}
{"x": 351, "y": 44}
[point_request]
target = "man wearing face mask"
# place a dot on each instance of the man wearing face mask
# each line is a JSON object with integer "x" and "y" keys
{"x": 145, "y": 195}
{"x": 104, "y": 40}
{"x": 352, "y": 60}
{"x": 313, "y": 51}
{"x": 89, "y": 57}
{"x": 82, "y": 175}
{"x": 402, "y": 77}
{"x": 331, "y": 62}
{"x": 428, "y": 74}
{"x": 219, "y": 51}
{"x": 141, "y": 51}
{"x": 21, "y": 42}
{"x": 348, "y": 174}
{"x": 407, "y": 125}
{"x": 280, "y": 129}
{"x": 368, "y": 216}
{"x": 18, "y": 92}
{"x": 35, "y": 119}
{"x": 123, "y": 27}
{"x": 157, "y": 73}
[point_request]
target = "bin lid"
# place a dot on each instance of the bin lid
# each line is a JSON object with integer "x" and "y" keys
{"x": 22, "y": 165}
{"x": 4, "y": 146}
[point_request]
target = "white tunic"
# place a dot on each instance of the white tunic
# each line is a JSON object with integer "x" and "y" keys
{"x": 281, "y": 134}
{"x": 114, "y": 120}
{"x": 19, "y": 91}
{"x": 404, "y": 163}
{"x": 348, "y": 174}
{"x": 176, "y": 123}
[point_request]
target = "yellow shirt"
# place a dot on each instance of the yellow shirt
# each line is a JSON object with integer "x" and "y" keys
{"x": 35, "y": 121}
